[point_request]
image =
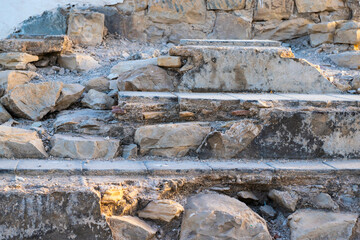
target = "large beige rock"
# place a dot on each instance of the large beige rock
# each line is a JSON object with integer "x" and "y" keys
{"x": 20, "y": 143}
{"x": 150, "y": 78}
{"x": 170, "y": 140}
{"x": 177, "y": 11}
{"x": 347, "y": 59}
{"x": 70, "y": 93}
{"x": 97, "y": 100}
{"x": 349, "y": 36}
{"x": 326, "y": 27}
{"x": 10, "y": 79}
{"x": 86, "y": 27}
{"x": 165, "y": 210}
{"x": 217, "y": 217}
{"x": 281, "y": 30}
{"x": 84, "y": 147}
{"x": 169, "y": 61}
{"x": 232, "y": 142}
{"x": 32, "y": 101}
{"x": 273, "y": 9}
{"x": 16, "y": 60}
{"x": 78, "y": 62}
{"x": 305, "y": 6}
{"x": 130, "y": 228}
{"x": 317, "y": 39}
{"x": 225, "y": 4}
{"x": 312, "y": 224}
{"x": 126, "y": 66}
{"x": 229, "y": 26}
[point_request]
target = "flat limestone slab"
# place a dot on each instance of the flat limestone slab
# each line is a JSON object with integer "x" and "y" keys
{"x": 243, "y": 43}
{"x": 231, "y": 66}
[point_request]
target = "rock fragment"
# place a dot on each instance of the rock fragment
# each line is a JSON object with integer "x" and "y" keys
{"x": 84, "y": 147}
{"x": 69, "y": 94}
{"x": 97, "y": 100}
{"x": 206, "y": 216}
{"x": 78, "y": 62}
{"x": 165, "y": 210}
{"x": 100, "y": 84}
{"x": 287, "y": 200}
{"x": 20, "y": 143}
{"x": 10, "y": 79}
{"x": 16, "y": 60}
{"x": 130, "y": 228}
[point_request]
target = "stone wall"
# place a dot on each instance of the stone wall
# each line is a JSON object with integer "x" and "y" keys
{"x": 169, "y": 21}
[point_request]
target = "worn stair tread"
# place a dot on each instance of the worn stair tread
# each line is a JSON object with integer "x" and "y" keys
{"x": 169, "y": 167}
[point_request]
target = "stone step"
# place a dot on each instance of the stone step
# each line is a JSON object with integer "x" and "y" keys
{"x": 255, "y": 66}
{"x": 167, "y": 167}
{"x": 160, "y": 107}
{"x": 226, "y": 125}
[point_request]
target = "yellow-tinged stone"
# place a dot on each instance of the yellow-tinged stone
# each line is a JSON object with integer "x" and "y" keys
{"x": 169, "y": 61}
{"x": 187, "y": 114}
{"x": 152, "y": 115}
{"x": 112, "y": 196}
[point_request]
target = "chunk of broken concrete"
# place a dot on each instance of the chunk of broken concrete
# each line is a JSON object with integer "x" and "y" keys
{"x": 150, "y": 78}
{"x": 84, "y": 147}
{"x": 78, "y": 62}
{"x": 70, "y": 93}
{"x": 207, "y": 214}
{"x": 314, "y": 224}
{"x": 130, "y": 228}
{"x": 97, "y": 100}
{"x": 32, "y": 101}
{"x": 165, "y": 210}
{"x": 86, "y": 27}
{"x": 20, "y": 143}
{"x": 10, "y": 79}
{"x": 287, "y": 200}
{"x": 16, "y": 60}
{"x": 170, "y": 140}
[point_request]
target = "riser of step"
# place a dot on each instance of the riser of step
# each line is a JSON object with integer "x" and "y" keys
{"x": 160, "y": 107}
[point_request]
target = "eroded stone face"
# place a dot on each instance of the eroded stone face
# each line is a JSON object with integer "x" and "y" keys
{"x": 305, "y": 6}
{"x": 273, "y": 9}
{"x": 225, "y": 4}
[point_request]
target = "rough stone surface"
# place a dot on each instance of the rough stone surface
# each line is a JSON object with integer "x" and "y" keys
{"x": 84, "y": 147}
{"x": 78, "y": 62}
{"x": 287, "y": 200}
{"x": 4, "y": 115}
{"x": 130, "y": 151}
{"x": 231, "y": 69}
{"x": 177, "y": 11}
{"x": 16, "y": 60}
{"x": 229, "y": 26}
{"x": 281, "y": 30}
{"x": 311, "y": 224}
{"x": 70, "y": 93}
{"x": 171, "y": 140}
{"x": 273, "y": 9}
{"x": 267, "y": 211}
{"x": 126, "y": 66}
{"x": 10, "y": 79}
{"x": 132, "y": 6}
{"x": 20, "y": 143}
{"x": 350, "y": 36}
{"x": 97, "y": 100}
{"x": 321, "y": 38}
{"x": 130, "y": 228}
{"x": 232, "y": 142}
{"x": 100, "y": 84}
{"x": 324, "y": 201}
{"x": 71, "y": 212}
{"x": 246, "y": 195}
{"x": 86, "y": 27}
{"x": 169, "y": 61}
{"x": 32, "y": 101}
{"x": 215, "y": 216}
{"x": 225, "y": 5}
{"x": 347, "y": 59}
{"x": 150, "y": 78}
{"x": 326, "y": 27}
{"x": 305, "y": 6}
{"x": 165, "y": 210}
{"x": 37, "y": 46}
